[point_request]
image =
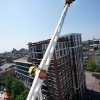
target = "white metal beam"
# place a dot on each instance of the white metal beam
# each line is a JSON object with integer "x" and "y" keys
{"x": 37, "y": 83}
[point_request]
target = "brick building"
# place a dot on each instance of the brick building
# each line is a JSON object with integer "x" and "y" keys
{"x": 66, "y": 76}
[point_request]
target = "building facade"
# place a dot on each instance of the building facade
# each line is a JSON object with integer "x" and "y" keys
{"x": 3, "y": 75}
{"x": 96, "y": 44}
{"x": 22, "y": 67}
{"x": 66, "y": 76}
{"x": 2, "y": 61}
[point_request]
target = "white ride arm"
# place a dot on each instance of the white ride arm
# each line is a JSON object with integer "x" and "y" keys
{"x": 37, "y": 83}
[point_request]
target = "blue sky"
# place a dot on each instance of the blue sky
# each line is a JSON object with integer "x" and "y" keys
{"x": 23, "y": 21}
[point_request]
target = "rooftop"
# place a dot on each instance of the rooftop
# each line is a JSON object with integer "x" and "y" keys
{"x": 48, "y": 40}
{"x": 6, "y": 66}
{"x": 22, "y": 60}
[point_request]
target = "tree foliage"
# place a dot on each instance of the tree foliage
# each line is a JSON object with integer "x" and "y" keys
{"x": 8, "y": 83}
{"x": 91, "y": 66}
{"x": 23, "y": 95}
{"x": 15, "y": 88}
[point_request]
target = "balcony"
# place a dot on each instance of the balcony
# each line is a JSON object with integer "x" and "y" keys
{"x": 44, "y": 84}
{"x": 44, "y": 91}
{"x": 44, "y": 88}
{"x": 46, "y": 96}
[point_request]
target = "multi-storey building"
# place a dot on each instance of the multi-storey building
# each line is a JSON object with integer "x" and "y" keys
{"x": 66, "y": 77}
{"x": 22, "y": 67}
{"x": 2, "y": 61}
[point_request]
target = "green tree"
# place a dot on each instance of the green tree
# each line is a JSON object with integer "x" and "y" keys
{"x": 8, "y": 83}
{"x": 91, "y": 66}
{"x": 97, "y": 70}
{"x": 15, "y": 88}
{"x": 23, "y": 95}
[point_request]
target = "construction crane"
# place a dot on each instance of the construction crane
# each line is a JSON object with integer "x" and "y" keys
{"x": 41, "y": 71}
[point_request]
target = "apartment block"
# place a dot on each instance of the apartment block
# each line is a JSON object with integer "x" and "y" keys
{"x": 21, "y": 73}
{"x": 66, "y": 76}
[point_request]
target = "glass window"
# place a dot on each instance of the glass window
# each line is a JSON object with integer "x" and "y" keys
{"x": 57, "y": 54}
{"x": 61, "y": 53}
{"x": 46, "y": 45}
{"x": 52, "y": 68}
{"x": 57, "y": 46}
{"x": 56, "y": 93}
{"x": 51, "y": 64}
{"x": 63, "y": 45}
{"x": 66, "y": 44}
{"x": 60, "y": 45}
{"x": 49, "y": 81}
{"x": 52, "y": 61}
{"x": 33, "y": 55}
{"x": 33, "y": 48}
{"x": 68, "y": 38}
{"x": 30, "y": 49}
{"x": 61, "y": 81}
{"x": 57, "y": 98}
{"x": 64, "y": 52}
{"x": 59, "y": 73}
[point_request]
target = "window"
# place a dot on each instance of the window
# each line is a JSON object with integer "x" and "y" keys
{"x": 30, "y": 49}
{"x": 59, "y": 73}
{"x": 60, "y": 45}
{"x": 63, "y": 45}
{"x": 68, "y": 38}
{"x": 44, "y": 47}
{"x": 49, "y": 81}
{"x": 66, "y": 44}
{"x": 52, "y": 61}
{"x": 57, "y": 54}
{"x": 61, "y": 81}
{"x": 58, "y": 61}
{"x": 64, "y": 52}
{"x": 57, "y": 98}
{"x": 33, "y": 48}
{"x": 31, "y": 56}
{"x": 57, "y": 46}
{"x": 61, "y": 53}
{"x": 52, "y": 69}
{"x": 51, "y": 64}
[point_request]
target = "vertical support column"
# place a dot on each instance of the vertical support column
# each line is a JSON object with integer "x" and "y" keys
{"x": 40, "y": 97}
